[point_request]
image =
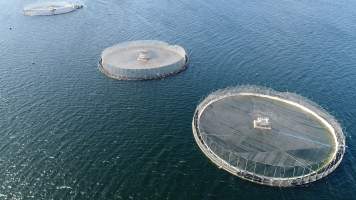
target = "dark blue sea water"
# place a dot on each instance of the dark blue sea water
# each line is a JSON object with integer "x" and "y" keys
{"x": 69, "y": 132}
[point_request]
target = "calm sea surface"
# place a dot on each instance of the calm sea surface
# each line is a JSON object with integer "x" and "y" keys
{"x": 69, "y": 132}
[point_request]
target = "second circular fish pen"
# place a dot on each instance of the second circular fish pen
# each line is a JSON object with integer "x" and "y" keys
{"x": 268, "y": 137}
{"x": 142, "y": 60}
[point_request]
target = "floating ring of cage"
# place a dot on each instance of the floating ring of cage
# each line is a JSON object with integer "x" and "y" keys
{"x": 142, "y": 59}
{"x": 268, "y": 137}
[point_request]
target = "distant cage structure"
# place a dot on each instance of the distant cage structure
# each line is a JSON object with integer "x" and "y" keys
{"x": 142, "y": 60}
{"x": 50, "y": 8}
{"x": 244, "y": 168}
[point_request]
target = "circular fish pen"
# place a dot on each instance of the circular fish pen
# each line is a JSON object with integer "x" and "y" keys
{"x": 50, "y": 8}
{"x": 268, "y": 137}
{"x": 142, "y": 60}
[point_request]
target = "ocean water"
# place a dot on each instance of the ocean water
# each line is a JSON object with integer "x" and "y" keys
{"x": 69, "y": 132}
